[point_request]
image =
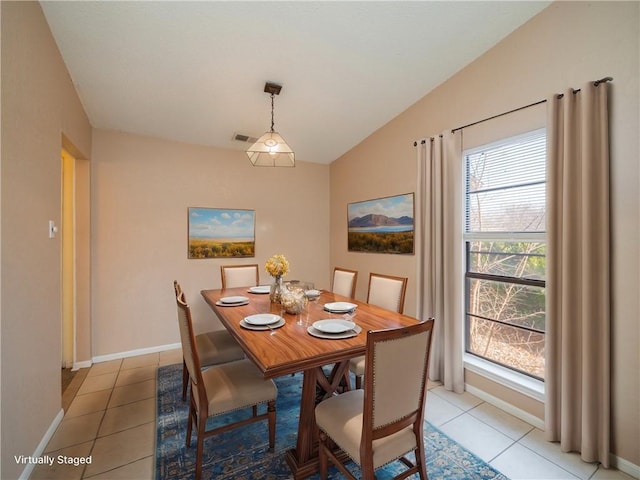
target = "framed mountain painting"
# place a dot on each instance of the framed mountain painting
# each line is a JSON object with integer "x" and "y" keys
{"x": 382, "y": 225}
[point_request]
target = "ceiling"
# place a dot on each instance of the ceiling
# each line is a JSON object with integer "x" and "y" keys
{"x": 195, "y": 71}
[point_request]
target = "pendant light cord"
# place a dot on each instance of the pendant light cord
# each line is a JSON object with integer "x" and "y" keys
{"x": 272, "y": 112}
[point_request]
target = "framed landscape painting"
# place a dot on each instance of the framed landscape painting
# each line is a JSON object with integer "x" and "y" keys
{"x": 382, "y": 225}
{"x": 221, "y": 233}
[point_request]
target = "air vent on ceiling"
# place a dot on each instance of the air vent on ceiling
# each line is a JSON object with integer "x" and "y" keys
{"x": 239, "y": 137}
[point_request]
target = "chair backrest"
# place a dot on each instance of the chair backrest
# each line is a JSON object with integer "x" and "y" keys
{"x": 387, "y": 291}
{"x": 344, "y": 282}
{"x": 239, "y": 275}
{"x": 188, "y": 341}
{"x": 396, "y": 368}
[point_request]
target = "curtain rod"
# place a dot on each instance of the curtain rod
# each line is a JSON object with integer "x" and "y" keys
{"x": 560, "y": 95}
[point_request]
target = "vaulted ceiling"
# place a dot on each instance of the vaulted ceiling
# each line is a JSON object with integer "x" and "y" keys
{"x": 195, "y": 71}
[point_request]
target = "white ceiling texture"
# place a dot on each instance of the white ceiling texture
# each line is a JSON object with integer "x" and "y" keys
{"x": 195, "y": 71}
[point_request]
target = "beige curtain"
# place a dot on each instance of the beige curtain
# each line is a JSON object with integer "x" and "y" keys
{"x": 577, "y": 377}
{"x": 440, "y": 249}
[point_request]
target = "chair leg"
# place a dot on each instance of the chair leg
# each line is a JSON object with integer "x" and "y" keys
{"x": 191, "y": 420}
{"x": 322, "y": 456}
{"x": 420, "y": 460}
{"x": 271, "y": 410}
{"x": 367, "y": 470}
{"x": 185, "y": 380}
{"x": 200, "y": 449}
{"x": 326, "y": 447}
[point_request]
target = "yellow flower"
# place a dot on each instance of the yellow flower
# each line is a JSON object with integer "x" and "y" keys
{"x": 277, "y": 265}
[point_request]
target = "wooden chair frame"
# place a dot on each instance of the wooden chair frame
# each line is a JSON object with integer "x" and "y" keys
{"x": 216, "y": 336}
{"x": 403, "y": 280}
{"x": 198, "y": 411}
{"x": 415, "y": 419}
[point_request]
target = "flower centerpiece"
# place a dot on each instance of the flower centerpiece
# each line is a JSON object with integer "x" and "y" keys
{"x": 277, "y": 266}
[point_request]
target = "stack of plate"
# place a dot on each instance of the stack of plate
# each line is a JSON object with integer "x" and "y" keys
{"x": 312, "y": 294}
{"x": 334, "y": 328}
{"x": 340, "y": 307}
{"x": 260, "y": 289}
{"x": 262, "y": 321}
{"x": 232, "y": 301}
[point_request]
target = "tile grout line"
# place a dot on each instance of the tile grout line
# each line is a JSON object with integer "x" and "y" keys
{"x": 93, "y": 440}
{"x": 104, "y": 412}
{"x": 548, "y": 459}
{"x": 113, "y": 433}
{"x": 120, "y": 370}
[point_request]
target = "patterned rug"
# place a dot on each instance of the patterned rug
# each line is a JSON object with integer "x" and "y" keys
{"x": 243, "y": 452}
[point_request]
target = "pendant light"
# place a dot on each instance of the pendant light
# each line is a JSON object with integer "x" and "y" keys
{"x": 271, "y": 150}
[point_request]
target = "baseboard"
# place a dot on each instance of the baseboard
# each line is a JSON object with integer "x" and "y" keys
{"x": 78, "y": 365}
{"x": 625, "y": 466}
{"x": 26, "y": 473}
{"x": 506, "y": 407}
{"x": 135, "y": 353}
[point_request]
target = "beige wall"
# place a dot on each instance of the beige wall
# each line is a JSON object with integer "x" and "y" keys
{"x": 142, "y": 188}
{"x": 39, "y": 105}
{"x": 565, "y": 45}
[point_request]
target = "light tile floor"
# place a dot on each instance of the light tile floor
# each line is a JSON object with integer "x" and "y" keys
{"x": 112, "y": 419}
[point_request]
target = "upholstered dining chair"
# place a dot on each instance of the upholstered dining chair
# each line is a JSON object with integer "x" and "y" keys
{"x": 222, "y": 389}
{"x": 383, "y": 422}
{"x": 213, "y": 347}
{"x": 239, "y": 275}
{"x": 386, "y": 291}
{"x": 344, "y": 282}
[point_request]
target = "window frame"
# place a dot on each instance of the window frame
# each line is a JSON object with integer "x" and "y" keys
{"x": 472, "y": 358}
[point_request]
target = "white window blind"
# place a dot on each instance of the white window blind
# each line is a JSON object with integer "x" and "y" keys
{"x": 505, "y": 185}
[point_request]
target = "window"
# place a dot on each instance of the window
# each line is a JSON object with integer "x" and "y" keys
{"x": 504, "y": 235}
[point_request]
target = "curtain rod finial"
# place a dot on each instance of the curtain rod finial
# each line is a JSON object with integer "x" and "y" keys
{"x": 602, "y": 80}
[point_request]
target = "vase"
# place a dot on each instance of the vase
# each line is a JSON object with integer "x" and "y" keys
{"x": 294, "y": 300}
{"x": 277, "y": 289}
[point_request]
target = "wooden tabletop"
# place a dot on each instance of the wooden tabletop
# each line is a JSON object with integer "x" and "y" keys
{"x": 292, "y": 348}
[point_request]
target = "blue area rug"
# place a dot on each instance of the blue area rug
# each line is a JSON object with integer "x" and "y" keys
{"x": 243, "y": 452}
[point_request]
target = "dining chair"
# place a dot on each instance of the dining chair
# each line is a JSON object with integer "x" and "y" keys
{"x": 239, "y": 275}
{"x": 214, "y": 347}
{"x": 344, "y": 282}
{"x": 386, "y": 291}
{"x": 221, "y": 389}
{"x": 383, "y": 422}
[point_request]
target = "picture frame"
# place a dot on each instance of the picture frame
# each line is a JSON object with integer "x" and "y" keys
{"x": 382, "y": 225}
{"x": 220, "y": 233}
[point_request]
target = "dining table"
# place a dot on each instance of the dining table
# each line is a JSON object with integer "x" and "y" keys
{"x": 294, "y": 345}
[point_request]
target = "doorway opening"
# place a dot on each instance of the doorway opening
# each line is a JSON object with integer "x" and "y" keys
{"x": 75, "y": 265}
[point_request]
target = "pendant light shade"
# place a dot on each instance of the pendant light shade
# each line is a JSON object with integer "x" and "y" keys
{"x": 271, "y": 150}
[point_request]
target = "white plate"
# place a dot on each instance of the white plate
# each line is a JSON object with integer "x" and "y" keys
{"x": 248, "y": 326}
{"x": 333, "y": 326}
{"x": 312, "y": 293}
{"x": 260, "y": 289}
{"x": 220, "y": 304}
{"x": 262, "y": 319}
{"x": 334, "y": 336}
{"x": 236, "y": 299}
{"x": 340, "y": 307}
